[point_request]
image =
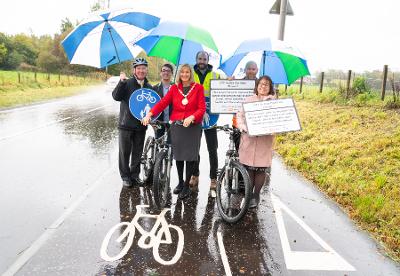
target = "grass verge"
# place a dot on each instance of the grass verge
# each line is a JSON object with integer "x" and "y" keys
{"x": 18, "y": 98}
{"x": 353, "y": 154}
{"x": 22, "y": 88}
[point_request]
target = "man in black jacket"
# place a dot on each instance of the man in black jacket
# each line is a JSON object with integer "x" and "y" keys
{"x": 131, "y": 131}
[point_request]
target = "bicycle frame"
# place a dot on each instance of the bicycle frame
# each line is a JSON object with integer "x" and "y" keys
{"x": 231, "y": 155}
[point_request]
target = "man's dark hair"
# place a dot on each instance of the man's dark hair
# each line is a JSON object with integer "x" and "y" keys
{"x": 168, "y": 66}
{"x": 203, "y": 52}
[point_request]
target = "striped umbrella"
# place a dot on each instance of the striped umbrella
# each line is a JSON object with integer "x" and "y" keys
{"x": 106, "y": 38}
{"x": 178, "y": 42}
{"x": 275, "y": 58}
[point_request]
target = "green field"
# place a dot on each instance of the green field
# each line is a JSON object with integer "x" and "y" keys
{"x": 351, "y": 151}
{"x": 21, "y": 88}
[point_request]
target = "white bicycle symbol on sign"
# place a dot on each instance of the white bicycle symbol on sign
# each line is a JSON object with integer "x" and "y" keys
{"x": 146, "y": 95}
{"x": 153, "y": 238}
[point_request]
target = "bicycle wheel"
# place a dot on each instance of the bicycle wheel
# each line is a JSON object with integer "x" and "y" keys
{"x": 146, "y": 164}
{"x": 161, "y": 178}
{"x": 233, "y": 195}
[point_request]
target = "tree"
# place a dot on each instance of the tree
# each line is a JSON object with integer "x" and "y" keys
{"x": 66, "y": 25}
{"x": 48, "y": 62}
{"x": 24, "y": 46}
{"x": 3, "y": 53}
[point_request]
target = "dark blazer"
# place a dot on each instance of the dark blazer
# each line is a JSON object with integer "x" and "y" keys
{"x": 122, "y": 93}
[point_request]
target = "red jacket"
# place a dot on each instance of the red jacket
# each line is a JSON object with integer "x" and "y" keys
{"x": 196, "y": 103}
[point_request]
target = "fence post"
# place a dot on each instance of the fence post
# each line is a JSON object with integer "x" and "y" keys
{"x": 321, "y": 86}
{"x": 393, "y": 87}
{"x": 19, "y": 77}
{"x": 301, "y": 85}
{"x": 385, "y": 71}
{"x": 348, "y": 84}
{"x": 35, "y": 77}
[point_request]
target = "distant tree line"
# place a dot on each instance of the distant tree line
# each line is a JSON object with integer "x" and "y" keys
{"x": 38, "y": 53}
{"x": 45, "y": 54}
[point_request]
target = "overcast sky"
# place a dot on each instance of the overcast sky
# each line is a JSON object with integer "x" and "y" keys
{"x": 332, "y": 34}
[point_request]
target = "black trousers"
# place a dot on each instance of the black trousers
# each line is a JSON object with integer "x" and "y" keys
{"x": 212, "y": 147}
{"x": 130, "y": 151}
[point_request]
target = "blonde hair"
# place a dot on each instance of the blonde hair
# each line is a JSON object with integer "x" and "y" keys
{"x": 191, "y": 79}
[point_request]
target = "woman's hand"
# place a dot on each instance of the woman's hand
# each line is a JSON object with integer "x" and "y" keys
{"x": 146, "y": 120}
{"x": 188, "y": 121}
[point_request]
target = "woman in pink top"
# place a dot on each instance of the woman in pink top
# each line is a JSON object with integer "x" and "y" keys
{"x": 256, "y": 152}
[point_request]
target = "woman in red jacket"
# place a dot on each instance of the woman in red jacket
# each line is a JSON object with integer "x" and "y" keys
{"x": 188, "y": 108}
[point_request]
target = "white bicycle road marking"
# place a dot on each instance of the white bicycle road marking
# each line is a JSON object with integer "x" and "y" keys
{"x": 154, "y": 237}
{"x": 301, "y": 260}
{"x": 224, "y": 258}
{"x": 38, "y": 243}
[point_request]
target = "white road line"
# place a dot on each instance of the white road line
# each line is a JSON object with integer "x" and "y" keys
{"x": 301, "y": 260}
{"x": 47, "y": 125}
{"x": 33, "y": 129}
{"x": 223, "y": 255}
{"x": 94, "y": 109}
{"x": 38, "y": 243}
{"x": 26, "y": 108}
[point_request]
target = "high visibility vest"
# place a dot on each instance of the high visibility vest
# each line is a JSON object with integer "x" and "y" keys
{"x": 207, "y": 81}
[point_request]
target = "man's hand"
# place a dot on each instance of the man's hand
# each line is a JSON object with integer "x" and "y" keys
{"x": 122, "y": 76}
{"x": 188, "y": 121}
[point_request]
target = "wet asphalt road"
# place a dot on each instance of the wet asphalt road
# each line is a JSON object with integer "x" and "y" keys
{"x": 61, "y": 194}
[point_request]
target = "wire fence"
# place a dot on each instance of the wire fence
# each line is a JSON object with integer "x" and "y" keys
{"x": 384, "y": 83}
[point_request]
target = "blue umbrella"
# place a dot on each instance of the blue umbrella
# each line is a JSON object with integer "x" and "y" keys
{"x": 277, "y": 59}
{"x": 106, "y": 38}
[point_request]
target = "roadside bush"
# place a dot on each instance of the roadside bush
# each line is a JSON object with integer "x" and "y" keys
{"x": 360, "y": 85}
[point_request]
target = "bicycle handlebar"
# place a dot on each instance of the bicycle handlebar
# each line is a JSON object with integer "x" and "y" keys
{"x": 227, "y": 128}
{"x": 158, "y": 124}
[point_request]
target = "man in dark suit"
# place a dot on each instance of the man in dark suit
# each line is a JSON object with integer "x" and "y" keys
{"x": 131, "y": 130}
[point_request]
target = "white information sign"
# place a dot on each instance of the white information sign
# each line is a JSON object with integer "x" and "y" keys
{"x": 271, "y": 117}
{"x": 227, "y": 96}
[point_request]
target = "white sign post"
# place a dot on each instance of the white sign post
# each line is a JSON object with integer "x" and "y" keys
{"x": 227, "y": 96}
{"x": 271, "y": 117}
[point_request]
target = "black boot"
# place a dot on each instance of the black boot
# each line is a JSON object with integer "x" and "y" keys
{"x": 178, "y": 188}
{"x": 185, "y": 192}
{"x": 255, "y": 200}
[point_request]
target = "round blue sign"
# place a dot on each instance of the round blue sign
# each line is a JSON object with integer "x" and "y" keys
{"x": 142, "y": 101}
{"x": 209, "y": 119}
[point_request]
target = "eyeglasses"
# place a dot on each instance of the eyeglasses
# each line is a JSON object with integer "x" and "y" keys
{"x": 166, "y": 71}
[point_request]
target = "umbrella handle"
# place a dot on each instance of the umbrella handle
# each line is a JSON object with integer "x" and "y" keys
{"x": 177, "y": 62}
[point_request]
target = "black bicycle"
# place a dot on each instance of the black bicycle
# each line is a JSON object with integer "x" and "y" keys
{"x": 162, "y": 167}
{"x": 234, "y": 187}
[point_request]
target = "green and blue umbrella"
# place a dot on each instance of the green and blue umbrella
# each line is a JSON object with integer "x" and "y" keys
{"x": 106, "y": 37}
{"x": 178, "y": 42}
{"x": 275, "y": 58}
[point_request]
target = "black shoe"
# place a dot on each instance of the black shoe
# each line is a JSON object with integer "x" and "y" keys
{"x": 185, "y": 192}
{"x": 137, "y": 181}
{"x": 254, "y": 201}
{"x": 178, "y": 188}
{"x": 127, "y": 183}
